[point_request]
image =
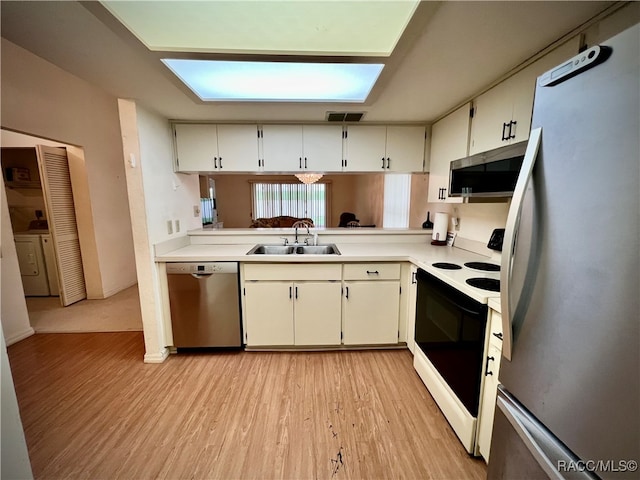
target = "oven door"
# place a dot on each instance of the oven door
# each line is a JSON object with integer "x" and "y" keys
{"x": 450, "y": 331}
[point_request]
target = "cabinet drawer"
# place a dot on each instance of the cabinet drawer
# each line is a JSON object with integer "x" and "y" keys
{"x": 495, "y": 329}
{"x": 371, "y": 271}
{"x": 290, "y": 271}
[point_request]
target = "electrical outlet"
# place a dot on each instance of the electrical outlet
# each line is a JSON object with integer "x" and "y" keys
{"x": 169, "y": 227}
{"x": 196, "y": 211}
{"x": 177, "y": 223}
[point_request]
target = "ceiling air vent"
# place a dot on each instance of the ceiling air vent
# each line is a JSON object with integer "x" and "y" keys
{"x": 344, "y": 116}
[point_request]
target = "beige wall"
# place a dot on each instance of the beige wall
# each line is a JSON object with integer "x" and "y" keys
{"x": 40, "y": 99}
{"x": 418, "y": 206}
{"x": 369, "y": 201}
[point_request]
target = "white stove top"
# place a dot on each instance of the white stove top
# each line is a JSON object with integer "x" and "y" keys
{"x": 457, "y": 278}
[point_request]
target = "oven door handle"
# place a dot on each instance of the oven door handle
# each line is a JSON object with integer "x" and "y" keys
{"x": 510, "y": 239}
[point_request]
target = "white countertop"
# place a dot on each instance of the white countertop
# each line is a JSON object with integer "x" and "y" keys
{"x": 423, "y": 255}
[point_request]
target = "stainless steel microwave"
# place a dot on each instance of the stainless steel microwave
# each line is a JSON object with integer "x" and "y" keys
{"x": 488, "y": 174}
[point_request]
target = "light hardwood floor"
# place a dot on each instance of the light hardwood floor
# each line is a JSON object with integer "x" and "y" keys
{"x": 92, "y": 409}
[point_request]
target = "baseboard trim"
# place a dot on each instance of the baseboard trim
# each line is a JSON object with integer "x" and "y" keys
{"x": 20, "y": 336}
{"x": 156, "y": 357}
{"x": 111, "y": 292}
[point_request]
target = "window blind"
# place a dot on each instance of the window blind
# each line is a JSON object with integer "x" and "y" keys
{"x": 291, "y": 199}
{"x": 397, "y": 192}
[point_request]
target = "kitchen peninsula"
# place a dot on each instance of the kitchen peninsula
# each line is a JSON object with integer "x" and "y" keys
{"x": 365, "y": 296}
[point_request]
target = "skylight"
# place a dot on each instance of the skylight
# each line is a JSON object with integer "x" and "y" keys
{"x": 276, "y": 81}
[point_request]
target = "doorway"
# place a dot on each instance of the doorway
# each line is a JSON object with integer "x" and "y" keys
{"x": 42, "y": 213}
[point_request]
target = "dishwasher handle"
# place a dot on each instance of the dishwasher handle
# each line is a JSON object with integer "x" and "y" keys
{"x": 201, "y": 275}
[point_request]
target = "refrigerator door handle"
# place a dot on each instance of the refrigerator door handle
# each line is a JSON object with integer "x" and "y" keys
{"x": 510, "y": 234}
{"x": 549, "y": 452}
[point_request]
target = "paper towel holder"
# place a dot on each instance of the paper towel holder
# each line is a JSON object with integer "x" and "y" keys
{"x": 440, "y": 228}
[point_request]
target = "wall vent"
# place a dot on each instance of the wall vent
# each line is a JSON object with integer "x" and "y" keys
{"x": 344, "y": 116}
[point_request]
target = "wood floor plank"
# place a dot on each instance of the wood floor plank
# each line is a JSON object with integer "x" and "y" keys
{"x": 92, "y": 410}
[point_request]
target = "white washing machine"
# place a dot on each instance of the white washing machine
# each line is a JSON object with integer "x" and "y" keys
{"x": 32, "y": 267}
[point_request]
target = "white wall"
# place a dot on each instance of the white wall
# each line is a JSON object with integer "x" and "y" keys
{"x": 13, "y": 447}
{"x": 13, "y": 308}
{"x": 168, "y": 195}
{"x": 40, "y": 99}
{"x": 156, "y": 195}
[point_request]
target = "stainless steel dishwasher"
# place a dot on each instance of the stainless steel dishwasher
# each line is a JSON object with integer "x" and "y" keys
{"x": 205, "y": 304}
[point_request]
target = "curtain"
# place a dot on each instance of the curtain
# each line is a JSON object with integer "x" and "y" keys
{"x": 397, "y": 191}
{"x": 292, "y": 199}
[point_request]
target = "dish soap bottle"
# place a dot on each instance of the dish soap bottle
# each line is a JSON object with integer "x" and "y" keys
{"x": 428, "y": 223}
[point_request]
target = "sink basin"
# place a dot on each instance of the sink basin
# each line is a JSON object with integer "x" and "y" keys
{"x": 317, "y": 250}
{"x": 262, "y": 249}
{"x": 271, "y": 250}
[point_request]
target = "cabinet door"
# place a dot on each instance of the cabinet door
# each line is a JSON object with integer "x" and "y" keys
{"x": 491, "y": 118}
{"x": 196, "y": 147}
{"x": 488, "y": 405}
{"x": 269, "y": 313}
{"x": 282, "y": 148}
{"x": 238, "y": 148}
{"x": 371, "y": 312}
{"x": 317, "y": 313}
{"x": 405, "y": 149}
{"x": 322, "y": 148}
{"x": 449, "y": 141}
{"x": 366, "y": 148}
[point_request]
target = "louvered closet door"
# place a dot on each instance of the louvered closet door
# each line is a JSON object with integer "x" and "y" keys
{"x": 61, "y": 215}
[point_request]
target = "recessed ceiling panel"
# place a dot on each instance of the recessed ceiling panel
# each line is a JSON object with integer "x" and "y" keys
{"x": 310, "y": 27}
{"x": 276, "y": 81}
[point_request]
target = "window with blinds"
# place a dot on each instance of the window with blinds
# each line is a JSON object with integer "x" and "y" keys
{"x": 292, "y": 199}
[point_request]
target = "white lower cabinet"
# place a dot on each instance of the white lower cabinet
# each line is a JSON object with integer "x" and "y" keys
{"x": 371, "y": 304}
{"x": 268, "y": 313}
{"x": 370, "y": 312}
{"x": 288, "y": 305}
{"x": 491, "y": 370}
{"x": 281, "y": 313}
{"x": 317, "y": 315}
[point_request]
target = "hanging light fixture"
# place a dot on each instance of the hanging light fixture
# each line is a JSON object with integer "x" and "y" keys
{"x": 308, "y": 178}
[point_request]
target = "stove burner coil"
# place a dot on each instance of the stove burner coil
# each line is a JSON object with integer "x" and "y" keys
{"x": 484, "y": 266}
{"x": 490, "y": 284}
{"x": 447, "y": 266}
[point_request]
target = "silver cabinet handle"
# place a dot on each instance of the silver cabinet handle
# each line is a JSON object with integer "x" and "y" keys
{"x": 510, "y": 237}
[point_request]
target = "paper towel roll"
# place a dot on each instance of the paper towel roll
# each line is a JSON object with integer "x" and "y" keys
{"x": 440, "y": 225}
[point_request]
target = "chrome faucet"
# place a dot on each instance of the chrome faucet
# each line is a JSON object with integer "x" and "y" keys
{"x": 306, "y": 240}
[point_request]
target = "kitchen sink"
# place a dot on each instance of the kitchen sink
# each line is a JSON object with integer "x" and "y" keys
{"x": 262, "y": 249}
{"x": 317, "y": 250}
{"x": 271, "y": 250}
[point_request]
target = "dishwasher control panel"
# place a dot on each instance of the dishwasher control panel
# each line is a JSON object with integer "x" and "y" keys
{"x": 203, "y": 268}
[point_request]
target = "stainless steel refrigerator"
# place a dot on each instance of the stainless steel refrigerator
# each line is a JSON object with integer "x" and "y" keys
{"x": 569, "y": 401}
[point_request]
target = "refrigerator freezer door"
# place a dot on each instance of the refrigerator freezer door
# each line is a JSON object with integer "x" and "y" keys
{"x": 526, "y": 449}
{"x": 575, "y": 363}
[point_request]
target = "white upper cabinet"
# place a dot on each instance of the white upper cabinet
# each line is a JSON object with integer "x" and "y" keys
{"x": 502, "y": 115}
{"x": 238, "y": 148}
{"x": 405, "y": 148}
{"x": 379, "y": 148}
{"x": 322, "y": 148}
{"x": 216, "y": 148}
{"x": 292, "y": 148}
{"x": 449, "y": 141}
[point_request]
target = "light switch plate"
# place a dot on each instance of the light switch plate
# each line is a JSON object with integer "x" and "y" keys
{"x": 169, "y": 227}
{"x": 177, "y": 223}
